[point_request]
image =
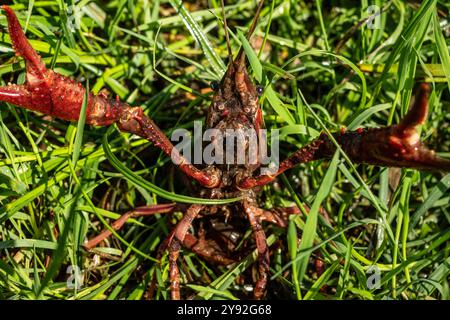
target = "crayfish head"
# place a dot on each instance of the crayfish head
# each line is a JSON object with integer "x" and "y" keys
{"x": 236, "y": 96}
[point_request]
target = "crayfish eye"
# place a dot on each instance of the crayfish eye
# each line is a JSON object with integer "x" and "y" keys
{"x": 259, "y": 90}
{"x": 214, "y": 85}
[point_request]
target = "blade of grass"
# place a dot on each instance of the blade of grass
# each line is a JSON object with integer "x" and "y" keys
{"x": 442, "y": 47}
{"x": 309, "y": 232}
{"x": 134, "y": 178}
{"x": 436, "y": 193}
{"x": 198, "y": 34}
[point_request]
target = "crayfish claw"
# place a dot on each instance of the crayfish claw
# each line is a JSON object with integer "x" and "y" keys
{"x": 400, "y": 145}
{"x": 15, "y": 94}
{"x": 418, "y": 112}
{"x": 405, "y": 139}
{"x": 21, "y": 45}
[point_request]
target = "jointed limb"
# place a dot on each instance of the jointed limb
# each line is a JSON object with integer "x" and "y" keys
{"x": 280, "y": 215}
{"x": 254, "y": 216}
{"x": 53, "y": 94}
{"x": 393, "y": 146}
{"x": 138, "y": 212}
{"x": 174, "y": 241}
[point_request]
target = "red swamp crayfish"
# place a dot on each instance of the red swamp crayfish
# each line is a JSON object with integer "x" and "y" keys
{"x": 235, "y": 104}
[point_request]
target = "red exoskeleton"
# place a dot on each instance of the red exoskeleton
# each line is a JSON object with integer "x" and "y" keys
{"x": 235, "y": 105}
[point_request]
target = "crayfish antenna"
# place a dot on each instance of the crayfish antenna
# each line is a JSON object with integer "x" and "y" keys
{"x": 255, "y": 20}
{"x": 241, "y": 55}
{"x": 227, "y": 35}
{"x": 405, "y": 133}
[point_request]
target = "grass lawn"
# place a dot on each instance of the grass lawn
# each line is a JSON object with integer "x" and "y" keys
{"x": 325, "y": 65}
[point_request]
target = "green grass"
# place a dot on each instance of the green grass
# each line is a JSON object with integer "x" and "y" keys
{"x": 61, "y": 183}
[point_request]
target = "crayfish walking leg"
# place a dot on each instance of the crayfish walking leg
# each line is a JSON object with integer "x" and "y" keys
{"x": 253, "y": 214}
{"x": 201, "y": 247}
{"x": 137, "y": 212}
{"x": 176, "y": 238}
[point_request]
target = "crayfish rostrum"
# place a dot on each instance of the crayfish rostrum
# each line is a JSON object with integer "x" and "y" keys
{"x": 235, "y": 105}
